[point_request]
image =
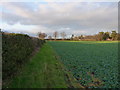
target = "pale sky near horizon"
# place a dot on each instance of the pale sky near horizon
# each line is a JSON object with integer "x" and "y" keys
{"x": 77, "y": 18}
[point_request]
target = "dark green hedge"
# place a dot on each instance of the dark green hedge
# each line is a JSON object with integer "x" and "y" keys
{"x": 16, "y": 50}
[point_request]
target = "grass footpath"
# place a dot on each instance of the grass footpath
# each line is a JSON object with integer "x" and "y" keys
{"x": 44, "y": 71}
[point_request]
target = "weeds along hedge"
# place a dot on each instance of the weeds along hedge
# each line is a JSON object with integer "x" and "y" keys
{"x": 17, "y": 49}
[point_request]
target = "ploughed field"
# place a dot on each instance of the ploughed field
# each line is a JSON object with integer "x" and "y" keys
{"x": 92, "y": 63}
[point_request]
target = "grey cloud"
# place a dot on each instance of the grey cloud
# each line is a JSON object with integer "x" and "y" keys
{"x": 90, "y": 17}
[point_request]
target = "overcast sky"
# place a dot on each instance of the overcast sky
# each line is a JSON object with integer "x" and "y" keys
{"x": 71, "y": 17}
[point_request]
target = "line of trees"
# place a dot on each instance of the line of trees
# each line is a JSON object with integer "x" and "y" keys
{"x": 55, "y": 35}
{"x": 98, "y": 37}
{"x": 105, "y": 36}
{"x": 42, "y": 35}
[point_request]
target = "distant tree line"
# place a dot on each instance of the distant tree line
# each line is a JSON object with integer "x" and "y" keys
{"x": 55, "y": 35}
{"x": 101, "y": 36}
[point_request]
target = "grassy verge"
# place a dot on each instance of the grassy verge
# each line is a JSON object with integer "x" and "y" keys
{"x": 43, "y": 71}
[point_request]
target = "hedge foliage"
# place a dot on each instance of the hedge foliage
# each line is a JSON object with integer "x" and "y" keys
{"x": 16, "y": 50}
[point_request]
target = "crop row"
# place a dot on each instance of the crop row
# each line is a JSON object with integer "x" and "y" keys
{"x": 92, "y": 64}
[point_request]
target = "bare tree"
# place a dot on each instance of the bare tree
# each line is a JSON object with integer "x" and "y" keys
{"x": 72, "y": 37}
{"x": 50, "y": 37}
{"x": 55, "y": 34}
{"x": 42, "y": 35}
{"x": 63, "y": 34}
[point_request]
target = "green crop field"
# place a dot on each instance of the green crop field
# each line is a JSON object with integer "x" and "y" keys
{"x": 92, "y": 63}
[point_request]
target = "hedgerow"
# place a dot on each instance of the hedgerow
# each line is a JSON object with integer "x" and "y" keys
{"x": 16, "y": 50}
